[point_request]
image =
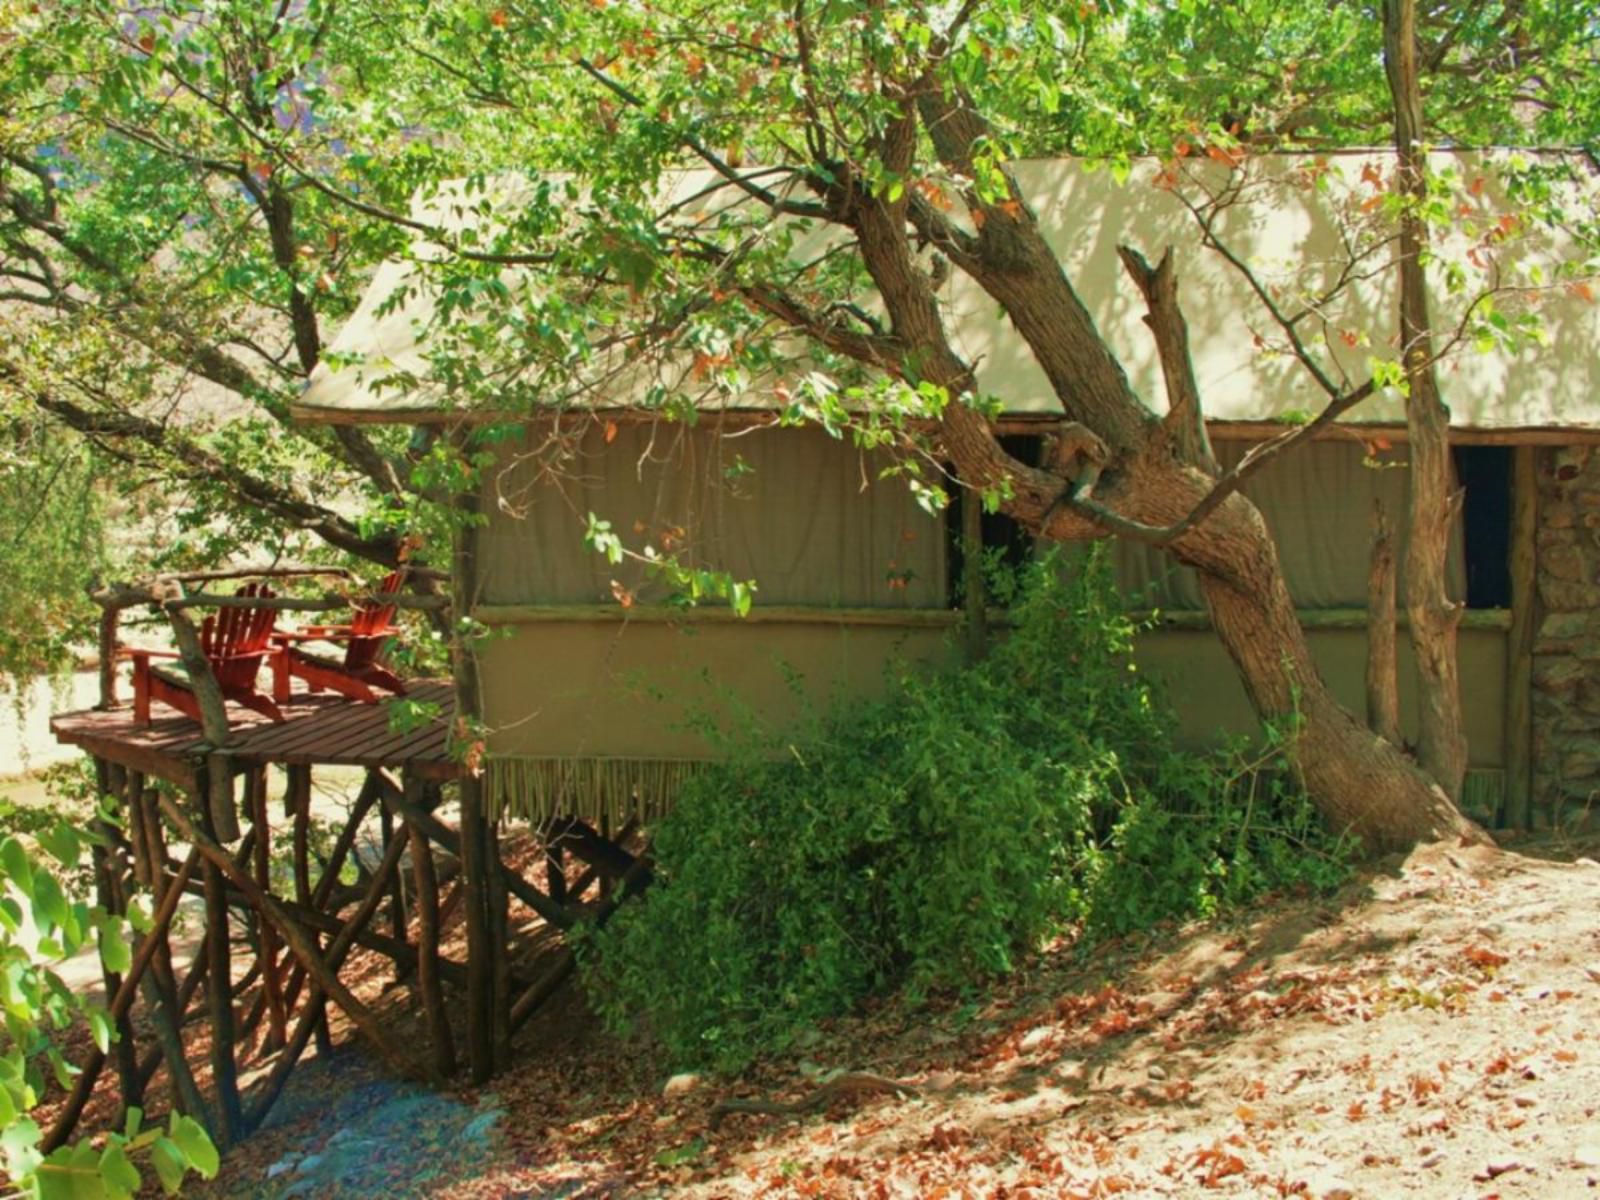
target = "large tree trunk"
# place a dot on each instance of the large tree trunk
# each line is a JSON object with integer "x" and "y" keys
{"x": 1433, "y": 615}
{"x": 1115, "y": 463}
{"x": 1360, "y": 782}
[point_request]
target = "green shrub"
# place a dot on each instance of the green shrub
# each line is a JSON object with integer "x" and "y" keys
{"x": 928, "y": 839}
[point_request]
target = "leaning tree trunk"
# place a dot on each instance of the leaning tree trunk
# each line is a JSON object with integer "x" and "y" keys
{"x": 1432, "y": 614}
{"x": 1360, "y": 782}
{"x": 1114, "y": 463}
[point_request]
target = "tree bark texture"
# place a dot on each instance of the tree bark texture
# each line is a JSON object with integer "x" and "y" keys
{"x": 1383, "y": 672}
{"x": 1142, "y": 473}
{"x": 1433, "y": 616}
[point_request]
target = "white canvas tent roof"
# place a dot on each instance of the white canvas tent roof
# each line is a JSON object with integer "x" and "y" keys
{"x": 1291, "y": 233}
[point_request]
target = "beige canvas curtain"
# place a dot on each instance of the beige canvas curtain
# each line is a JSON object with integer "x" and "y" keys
{"x": 1317, "y": 500}
{"x": 801, "y": 513}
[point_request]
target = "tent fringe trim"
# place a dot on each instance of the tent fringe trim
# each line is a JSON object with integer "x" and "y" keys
{"x": 602, "y": 791}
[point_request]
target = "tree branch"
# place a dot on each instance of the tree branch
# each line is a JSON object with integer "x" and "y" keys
{"x": 1185, "y": 421}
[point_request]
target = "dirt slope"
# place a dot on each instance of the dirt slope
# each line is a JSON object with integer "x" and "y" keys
{"x": 1435, "y": 1031}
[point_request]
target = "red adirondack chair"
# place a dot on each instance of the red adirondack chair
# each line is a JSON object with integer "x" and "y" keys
{"x": 234, "y": 640}
{"x": 361, "y": 669}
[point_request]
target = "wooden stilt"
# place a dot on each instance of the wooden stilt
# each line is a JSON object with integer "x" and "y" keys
{"x": 451, "y": 841}
{"x": 109, "y": 896}
{"x": 271, "y": 979}
{"x": 636, "y": 880}
{"x": 219, "y": 1001}
{"x": 467, "y": 722}
{"x": 164, "y": 1012}
{"x": 297, "y": 800}
{"x": 398, "y": 924}
{"x": 480, "y": 944}
{"x": 337, "y": 951}
{"x": 555, "y": 864}
{"x": 192, "y": 981}
{"x": 500, "y": 938}
{"x": 426, "y": 889}
{"x": 119, "y": 1003}
{"x": 294, "y": 935}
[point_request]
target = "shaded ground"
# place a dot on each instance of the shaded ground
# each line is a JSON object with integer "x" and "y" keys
{"x": 1433, "y": 1032}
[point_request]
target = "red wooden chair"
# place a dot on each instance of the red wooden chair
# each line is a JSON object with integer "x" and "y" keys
{"x": 234, "y": 640}
{"x": 361, "y": 669}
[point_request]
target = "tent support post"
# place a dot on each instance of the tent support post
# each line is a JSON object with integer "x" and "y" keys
{"x": 972, "y": 598}
{"x": 1519, "y": 642}
{"x": 475, "y": 843}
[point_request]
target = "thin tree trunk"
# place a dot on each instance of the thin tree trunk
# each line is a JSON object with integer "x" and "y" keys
{"x": 1383, "y": 674}
{"x": 1432, "y": 614}
{"x": 271, "y": 977}
{"x": 427, "y": 902}
{"x": 219, "y": 1005}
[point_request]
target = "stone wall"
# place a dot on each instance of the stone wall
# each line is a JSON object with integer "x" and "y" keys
{"x": 1566, "y": 664}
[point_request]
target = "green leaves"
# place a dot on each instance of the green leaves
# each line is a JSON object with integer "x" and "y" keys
{"x": 191, "y": 1140}
{"x": 935, "y": 837}
{"x": 37, "y": 1003}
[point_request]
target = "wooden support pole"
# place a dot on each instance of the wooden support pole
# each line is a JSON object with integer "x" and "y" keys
{"x": 294, "y": 935}
{"x": 365, "y": 799}
{"x": 500, "y": 937}
{"x": 398, "y": 924}
{"x": 337, "y": 952}
{"x": 1383, "y": 677}
{"x": 317, "y": 921}
{"x": 555, "y": 865}
{"x": 121, "y": 1001}
{"x": 480, "y": 946}
{"x": 109, "y": 893}
{"x": 475, "y": 863}
{"x": 193, "y": 978}
{"x": 1519, "y": 642}
{"x": 162, "y": 1009}
{"x": 297, "y": 801}
{"x": 152, "y": 845}
{"x": 271, "y": 979}
{"x": 368, "y": 796}
{"x": 636, "y": 880}
{"x": 973, "y": 600}
{"x": 219, "y": 1006}
{"x": 451, "y": 841}
{"x": 426, "y": 888}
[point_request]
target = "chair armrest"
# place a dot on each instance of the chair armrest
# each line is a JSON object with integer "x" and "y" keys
{"x": 138, "y": 652}
{"x": 288, "y": 637}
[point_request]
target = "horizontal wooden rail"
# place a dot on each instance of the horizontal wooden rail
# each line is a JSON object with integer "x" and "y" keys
{"x": 128, "y": 597}
{"x": 903, "y": 618}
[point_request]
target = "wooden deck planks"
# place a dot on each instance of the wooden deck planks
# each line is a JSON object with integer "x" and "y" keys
{"x": 320, "y": 729}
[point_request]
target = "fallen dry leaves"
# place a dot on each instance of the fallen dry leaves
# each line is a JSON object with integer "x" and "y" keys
{"x": 1423, "y": 1036}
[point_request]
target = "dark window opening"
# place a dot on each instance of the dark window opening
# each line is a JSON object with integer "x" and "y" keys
{"x": 1485, "y": 473}
{"x": 1000, "y": 532}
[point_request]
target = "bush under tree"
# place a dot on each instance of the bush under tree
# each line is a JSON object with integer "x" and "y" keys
{"x": 932, "y": 838}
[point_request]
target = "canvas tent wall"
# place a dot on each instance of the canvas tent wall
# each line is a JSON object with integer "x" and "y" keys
{"x": 597, "y": 697}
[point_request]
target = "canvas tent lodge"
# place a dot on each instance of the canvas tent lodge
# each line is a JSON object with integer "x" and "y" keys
{"x": 593, "y": 694}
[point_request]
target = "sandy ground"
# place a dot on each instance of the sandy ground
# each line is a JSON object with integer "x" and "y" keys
{"x": 1434, "y": 1031}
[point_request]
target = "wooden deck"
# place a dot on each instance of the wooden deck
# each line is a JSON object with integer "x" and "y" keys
{"x": 320, "y": 729}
